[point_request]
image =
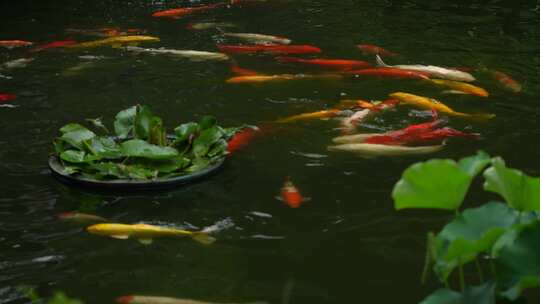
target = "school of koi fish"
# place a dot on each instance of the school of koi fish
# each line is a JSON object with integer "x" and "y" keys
{"x": 422, "y": 138}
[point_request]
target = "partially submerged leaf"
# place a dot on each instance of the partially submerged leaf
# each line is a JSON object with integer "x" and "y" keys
{"x": 124, "y": 121}
{"x": 520, "y": 191}
{"x": 483, "y": 294}
{"x": 140, "y": 148}
{"x": 76, "y": 135}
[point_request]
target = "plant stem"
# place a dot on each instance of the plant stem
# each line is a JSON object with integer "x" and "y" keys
{"x": 492, "y": 266}
{"x": 427, "y": 260}
{"x": 479, "y": 269}
{"x": 461, "y": 277}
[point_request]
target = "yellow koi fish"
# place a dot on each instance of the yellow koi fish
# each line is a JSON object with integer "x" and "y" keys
{"x": 458, "y": 87}
{"x": 278, "y": 78}
{"x": 145, "y": 233}
{"x": 433, "y": 104}
{"x": 138, "y": 299}
{"x": 115, "y": 42}
{"x": 310, "y": 115}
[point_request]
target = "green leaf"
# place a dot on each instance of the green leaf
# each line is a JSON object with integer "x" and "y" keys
{"x": 108, "y": 169}
{"x": 470, "y": 233}
{"x": 483, "y": 294}
{"x": 198, "y": 164}
{"x": 207, "y": 122}
{"x": 124, "y": 121}
{"x": 97, "y": 123}
{"x": 218, "y": 149}
{"x": 142, "y": 123}
{"x": 140, "y": 148}
{"x": 58, "y": 146}
{"x": 437, "y": 183}
{"x": 184, "y": 131}
{"x": 71, "y": 127}
{"x": 518, "y": 262}
{"x": 76, "y": 135}
{"x": 73, "y": 156}
{"x": 157, "y": 134}
{"x": 520, "y": 191}
{"x": 105, "y": 147}
{"x": 60, "y": 298}
{"x": 205, "y": 140}
{"x": 169, "y": 166}
{"x": 474, "y": 164}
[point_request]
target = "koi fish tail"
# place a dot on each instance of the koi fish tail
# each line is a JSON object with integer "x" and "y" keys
{"x": 477, "y": 117}
{"x": 380, "y": 62}
{"x": 203, "y": 238}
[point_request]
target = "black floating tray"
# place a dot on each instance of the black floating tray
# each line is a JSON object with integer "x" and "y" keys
{"x": 57, "y": 170}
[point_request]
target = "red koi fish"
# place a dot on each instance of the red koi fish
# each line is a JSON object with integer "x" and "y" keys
{"x": 439, "y": 135}
{"x": 10, "y": 44}
{"x": 506, "y": 81}
{"x": 291, "y": 196}
{"x": 338, "y": 64}
{"x": 243, "y": 72}
{"x": 7, "y": 97}
{"x": 391, "y": 73}
{"x": 242, "y": 138}
{"x": 273, "y": 49}
{"x": 178, "y": 13}
{"x": 54, "y": 44}
{"x": 370, "y": 49}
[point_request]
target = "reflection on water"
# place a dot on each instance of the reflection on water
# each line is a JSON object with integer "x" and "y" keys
{"x": 346, "y": 244}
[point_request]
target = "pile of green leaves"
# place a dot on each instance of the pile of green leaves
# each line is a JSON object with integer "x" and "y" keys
{"x": 500, "y": 241}
{"x": 140, "y": 148}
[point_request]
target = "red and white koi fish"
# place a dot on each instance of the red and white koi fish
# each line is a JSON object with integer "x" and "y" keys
{"x": 370, "y": 49}
{"x": 138, "y": 299}
{"x": 242, "y": 138}
{"x": 434, "y": 71}
{"x": 79, "y": 217}
{"x": 291, "y": 196}
{"x": 272, "y": 49}
{"x": 390, "y": 72}
{"x": 337, "y": 64}
{"x": 11, "y": 44}
{"x": 178, "y": 13}
{"x": 259, "y": 38}
{"x": 506, "y": 82}
{"x": 7, "y": 97}
{"x": 54, "y": 44}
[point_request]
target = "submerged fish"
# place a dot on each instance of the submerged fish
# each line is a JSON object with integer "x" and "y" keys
{"x": 105, "y": 31}
{"x": 435, "y": 71}
{"x": 433, "y": 104}
{"x": 278, "y": 78}
{"x": 374, "y": 150}
{"x": 272, "y": 49}
{"x": 80, "y": 217}
{"x": 243, "y": 72}
{"x": 310, "y": 115}
{"x": 506, "y": 82}
{"x": 114, "y": 41}
{"x": 190, "y": 54}
{"x": 370, "y": 49}
{"x": 178, "y": 13}
{"x": 138, "y": 299}
{"x": 259, "y": 38}
{"x": 460, "y": 87}
{"x": 241, "y": 138}
{"x": 338, "y": 64}
{"x": 209, "y": 25}
{"x": 53, "y": 45}
{"x": 7, "y": 97}
{"x": 17, "y": 63}
{"x": 391, "y": 73}
{"x": 145, "y": 233}
{"x": 290, "y": 195}
{"x": 349, "y": 124}
{"x": 10, "y": 44}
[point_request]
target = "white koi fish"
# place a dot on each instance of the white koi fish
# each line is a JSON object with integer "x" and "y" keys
{"x": 374, "y": 150}
{"x": 17, "y": 63}
{"x": 435, "y": 71}
{"x": 190, "y": 54}
{"x": 259, "y": 38}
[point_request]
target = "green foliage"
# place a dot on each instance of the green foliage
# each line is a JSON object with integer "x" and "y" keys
{"x": 142, "y": 149}
{"x": 507, "y": 233}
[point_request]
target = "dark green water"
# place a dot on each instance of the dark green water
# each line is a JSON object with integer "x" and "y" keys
{"x": 346, "y": 245}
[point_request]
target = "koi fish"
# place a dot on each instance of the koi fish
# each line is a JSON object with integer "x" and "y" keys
{"x": 433, "y": 104}
{"x": 53, "y": 45}
{"x": 374, "y": 150}
{"x": 17, "y": 63}
{"x": 272, "y": 49}
{"x": 374, "y": 106}
{"x": 198, "y": 26}
{"x": 259, "y": 38}
{"x": 506, "y": 82}
{"x": 79, "y": 217}
{"x": 190, "y": 54}
{"x": 114, "y": 41}
{"x": 233, "y": 2}
{"x": 460, "y": 87}
{"x": 243, "y": 72}
{"x": 7, "y": 97}
{"x": 391, "y": 73}
{"x": 11, "y": 44}
{"x": 310, "y": 115}
{"x": 278, "y": 78}
{"x": 178, "y": 13}
{"x": 241, "y": 138}
{"x": 290, "y": 195}
{"x": 370, "y": 49}
{"x": 144, "y": 233}
{"x": 338, "y": 64}
{"x": 435, "y": 71}
{"x": 137, "y": 299}
{"x": 348, "y": 124}
{"x": 105, "y": 32}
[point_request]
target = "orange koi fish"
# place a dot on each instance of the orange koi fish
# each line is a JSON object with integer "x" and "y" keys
{"x": 370, "y": 49}
{"x": 391, "y": 73}
{"x": 272, "y": 49}
{"x": 310, "y": 115}
{"x": 291, "y": 196}
{"x": 54, "y": 44}
{"x": 10, "y": 44}
{"x": 178, "y": 13}
{"x": 242, "y": 138}
{"x": 506, "y": 81}
{"x": 337, "y": 64}
{"x": 243, "y": 72}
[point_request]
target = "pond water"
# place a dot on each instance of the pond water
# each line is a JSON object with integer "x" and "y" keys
{"x": 346, "y": 245}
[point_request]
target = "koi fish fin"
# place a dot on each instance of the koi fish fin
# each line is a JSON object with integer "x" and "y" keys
{"x": 203, "y": 238}
{"x": 454, "y": 92}
{"x": 145, "y": 241}
{"x": 116, "y": 45}
{"x": 120, "y": 236}
{"x": 380, "y": 62}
